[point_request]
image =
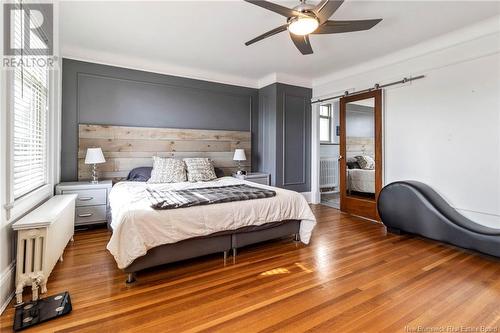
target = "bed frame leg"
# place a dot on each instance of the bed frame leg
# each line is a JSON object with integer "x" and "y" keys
{"x": 130, "y": 278}
{"x": 234, "y": 255}
{"x": 225, "y": 257}
{"x": 296, "y": 237}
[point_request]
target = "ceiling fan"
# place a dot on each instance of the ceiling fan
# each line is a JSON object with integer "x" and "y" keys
{"x": 306, "y": 19}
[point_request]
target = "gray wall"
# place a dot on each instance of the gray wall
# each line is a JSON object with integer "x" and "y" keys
{"x": 106, "y": 95}
{"x": 267, "y": 131}
{"x": 285, "y": 135}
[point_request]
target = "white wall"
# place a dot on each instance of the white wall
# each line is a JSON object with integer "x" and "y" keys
{"x": 443, "y": 130}
{"x": 448, "y": 136}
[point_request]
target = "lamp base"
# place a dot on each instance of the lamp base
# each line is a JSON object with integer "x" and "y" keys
{"x": 95, "y": 178}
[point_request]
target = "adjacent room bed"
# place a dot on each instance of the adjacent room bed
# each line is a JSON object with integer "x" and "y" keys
{"x": 360, "y": 175}
{"x": 145, "y": 237}
{"x": 360, "y": 180}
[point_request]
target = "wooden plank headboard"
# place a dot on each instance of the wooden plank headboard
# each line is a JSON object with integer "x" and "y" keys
{"x": 360, "y": 146}
{"x": 126, "y": 148}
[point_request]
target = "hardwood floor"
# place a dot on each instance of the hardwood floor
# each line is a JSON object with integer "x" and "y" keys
{"x": 351, "y": 278}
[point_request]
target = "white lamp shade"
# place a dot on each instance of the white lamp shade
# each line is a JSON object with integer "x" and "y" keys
{"x": 239, "y": 155}
{"x": 94, "y": 156}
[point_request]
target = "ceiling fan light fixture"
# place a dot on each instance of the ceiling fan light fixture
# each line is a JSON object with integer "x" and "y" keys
{"x": 303, "y": 25}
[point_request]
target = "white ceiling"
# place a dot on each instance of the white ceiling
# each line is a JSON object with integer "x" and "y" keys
{"x": 205, "y": 38}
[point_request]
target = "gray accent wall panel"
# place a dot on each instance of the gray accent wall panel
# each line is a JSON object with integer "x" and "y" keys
{"x": 285, "y": 134}
{"x": 294, "y": 140}
{"x": 107, "y": 100}
{"x": 107, "y": 95}
{"x": 267, "y": 131}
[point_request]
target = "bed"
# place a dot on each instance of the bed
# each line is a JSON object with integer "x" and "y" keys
{"x": 361, "y": 180}
{"x": 144, "y": 237}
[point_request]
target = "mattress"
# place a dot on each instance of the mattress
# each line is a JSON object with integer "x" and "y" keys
{"x": 360, "y": 180}
{"x": 137, "y": 227}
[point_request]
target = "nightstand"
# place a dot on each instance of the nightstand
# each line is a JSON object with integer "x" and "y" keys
{"x": 92, "y": 203}
{"x": 255, "y": 177}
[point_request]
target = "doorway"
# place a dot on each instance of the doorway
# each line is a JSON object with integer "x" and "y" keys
{"x": 360, "y": 158}
{"x": 329, "y": 154}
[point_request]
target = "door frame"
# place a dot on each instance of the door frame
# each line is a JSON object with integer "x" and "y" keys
{"x": 358, "y": 206}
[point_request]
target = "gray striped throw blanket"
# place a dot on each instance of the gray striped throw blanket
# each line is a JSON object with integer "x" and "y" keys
{"x": 170, "y": 199}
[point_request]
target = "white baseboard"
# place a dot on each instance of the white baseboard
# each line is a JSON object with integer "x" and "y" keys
{"x": 312, "y": 198}
{"x": 307, "y": 195}
{"x": 7, "y": 285}
{"x": 315, "y": 197}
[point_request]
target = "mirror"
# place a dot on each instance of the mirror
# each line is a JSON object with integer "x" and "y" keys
{"x": 361, "y": 153}
{"x": 360, "y": 149}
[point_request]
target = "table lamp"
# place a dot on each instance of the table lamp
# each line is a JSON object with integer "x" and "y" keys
{"x": 94, "y": 156}
{"x": 239, "y": 155}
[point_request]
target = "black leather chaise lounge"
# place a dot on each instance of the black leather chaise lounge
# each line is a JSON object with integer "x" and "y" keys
{"x": 414, "y": 207}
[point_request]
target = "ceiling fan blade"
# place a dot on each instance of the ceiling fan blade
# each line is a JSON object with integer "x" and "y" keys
{"x": 325, "y": 9}
{"x": 286, "y": 12}
{"x": 268, "y": 34}
{"x": 335, "y": 27}
{"x": 302, "y": 43}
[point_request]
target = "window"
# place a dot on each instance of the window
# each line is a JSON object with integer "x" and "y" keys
{"x": 325, "y": 123}
{"x": 28, "y": 125}
{"x": 29, "y": 130}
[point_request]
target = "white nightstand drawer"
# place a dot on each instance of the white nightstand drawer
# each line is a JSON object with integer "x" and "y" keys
{"x": 89, "y": 197}
{"x": 263, "y": 180}
{"x": 254, "y": 177}
{"x": 90, "y": 214}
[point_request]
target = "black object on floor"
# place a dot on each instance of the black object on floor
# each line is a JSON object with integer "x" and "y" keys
{"x": 414, "y": 207}
{"x": 33, "y": 313}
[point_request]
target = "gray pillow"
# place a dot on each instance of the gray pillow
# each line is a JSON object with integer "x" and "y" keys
{"x": 219, "y": 172}
{"x": 140, "y": 174}
{"x": 352, "y": 164}
{"x": 167, "y": 170}
{"x": 365, "y": 162}
{"x": 199, "y": 169}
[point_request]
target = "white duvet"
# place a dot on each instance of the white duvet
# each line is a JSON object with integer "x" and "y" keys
{"x": 137, "y": 227}
{"x": 361, "y": 180}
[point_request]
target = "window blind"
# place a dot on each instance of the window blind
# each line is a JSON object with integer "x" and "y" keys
{"x": 29, "y": 129}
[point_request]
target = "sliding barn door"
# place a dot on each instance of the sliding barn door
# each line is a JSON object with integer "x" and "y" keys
{"x": 361, "y": 153}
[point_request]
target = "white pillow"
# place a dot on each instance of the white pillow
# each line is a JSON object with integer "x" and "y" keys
{"x": 167, "y": 170}
{"x": 365, "y": 162}
{"x": 199, "y": 169}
